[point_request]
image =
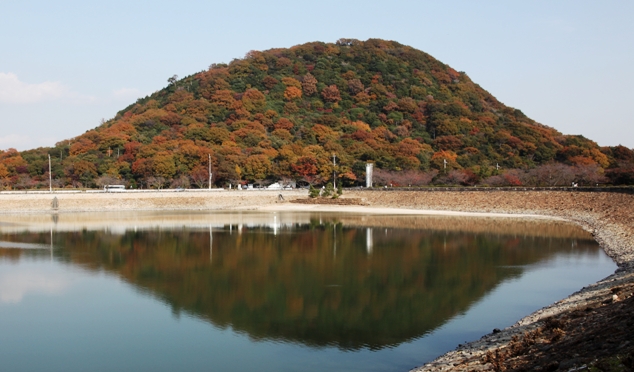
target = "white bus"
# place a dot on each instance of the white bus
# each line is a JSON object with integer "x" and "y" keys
{"x": 114, "y": 188}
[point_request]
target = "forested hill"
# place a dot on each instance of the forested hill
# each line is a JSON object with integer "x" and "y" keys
{"x": 283, "y": 113}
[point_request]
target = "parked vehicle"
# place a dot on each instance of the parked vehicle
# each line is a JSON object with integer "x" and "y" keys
{"x": 114, "y": 188}
{"x": 277, "y": 186}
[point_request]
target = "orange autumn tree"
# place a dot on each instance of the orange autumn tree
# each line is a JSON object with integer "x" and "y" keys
{"x": 305, "y": 166}
{"x": 440, "y": 158}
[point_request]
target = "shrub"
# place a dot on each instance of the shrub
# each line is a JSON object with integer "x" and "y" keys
{"x": 313, "y": 192}
{"x": 328, "y": 190}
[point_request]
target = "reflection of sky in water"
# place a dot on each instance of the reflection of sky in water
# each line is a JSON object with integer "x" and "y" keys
{"x": 17, "y": 282}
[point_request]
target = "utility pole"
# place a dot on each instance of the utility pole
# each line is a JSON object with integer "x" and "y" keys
{"x": 50, "y": 178}
{"x": 334, "y": 173}
{"x": 209, "y": 155}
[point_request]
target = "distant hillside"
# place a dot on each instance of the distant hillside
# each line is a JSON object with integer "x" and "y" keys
{"x": 283, "y": 113}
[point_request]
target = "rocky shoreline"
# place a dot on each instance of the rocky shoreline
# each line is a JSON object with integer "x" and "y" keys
{"x": 529, "y": 344}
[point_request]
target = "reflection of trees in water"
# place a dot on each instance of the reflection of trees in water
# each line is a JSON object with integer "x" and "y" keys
{"x": 317, "y": 284}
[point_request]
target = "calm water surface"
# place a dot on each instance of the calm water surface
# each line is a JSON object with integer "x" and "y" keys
{"x": 272, "y": 291}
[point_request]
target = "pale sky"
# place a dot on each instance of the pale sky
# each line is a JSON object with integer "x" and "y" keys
{"x": 65, "y": 65}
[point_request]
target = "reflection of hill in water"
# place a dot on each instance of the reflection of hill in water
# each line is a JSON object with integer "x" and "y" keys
{"x": 315, "y": 284}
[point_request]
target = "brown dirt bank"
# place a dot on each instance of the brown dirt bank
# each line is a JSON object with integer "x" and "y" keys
{"x": 592, "y": 328}
{"x": 609, "y": 216}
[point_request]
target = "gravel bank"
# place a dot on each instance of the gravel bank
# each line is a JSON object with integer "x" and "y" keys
{"x": 146, "y": 201}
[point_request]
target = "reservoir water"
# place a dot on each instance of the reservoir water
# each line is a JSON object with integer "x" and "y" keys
{"x": 235, "y": 291}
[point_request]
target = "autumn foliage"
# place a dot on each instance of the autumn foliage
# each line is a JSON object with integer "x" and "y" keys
{"x": 282, "y": 113}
